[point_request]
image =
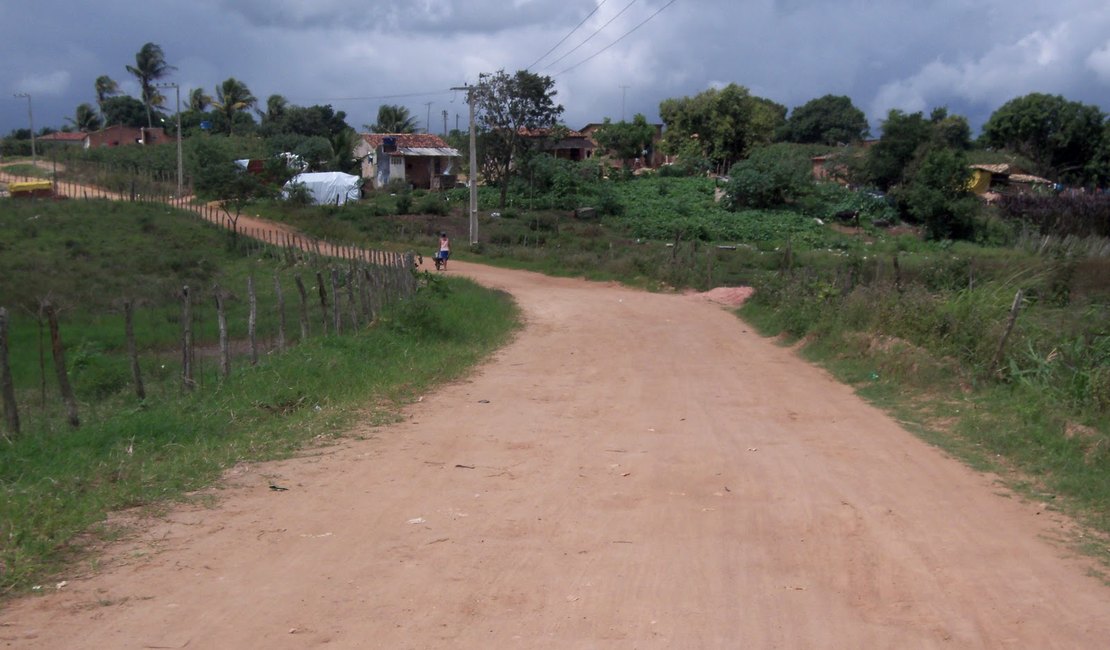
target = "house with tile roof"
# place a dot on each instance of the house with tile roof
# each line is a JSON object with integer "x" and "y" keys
{"x": 422, "y": 160}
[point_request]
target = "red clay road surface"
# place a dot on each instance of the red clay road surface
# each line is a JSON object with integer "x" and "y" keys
{"x": 633, "y": 471}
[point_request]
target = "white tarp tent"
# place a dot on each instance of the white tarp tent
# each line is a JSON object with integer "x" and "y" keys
{"x": 329, "y": 188}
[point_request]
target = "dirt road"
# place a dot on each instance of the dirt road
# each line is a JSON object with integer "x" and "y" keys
{"x": 634, "y": 471}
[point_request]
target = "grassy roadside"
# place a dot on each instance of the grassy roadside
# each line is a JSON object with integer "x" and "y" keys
{"x": 1044, "y": 447}
{"x": 57, "y": 485}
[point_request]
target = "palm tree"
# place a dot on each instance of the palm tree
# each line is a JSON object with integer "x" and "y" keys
{"x": 233, "y": 96}
{"x": 150, "y": 66}
{"x": 276, "y": 106}
{"x": 393, "y": 119}
{"x": 85, "y": 119}
{"x": 198, "y": 101}
{"x": 106, "y": 87}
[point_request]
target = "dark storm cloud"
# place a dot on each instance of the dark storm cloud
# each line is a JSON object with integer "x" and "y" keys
{"x": 970, "y": 55}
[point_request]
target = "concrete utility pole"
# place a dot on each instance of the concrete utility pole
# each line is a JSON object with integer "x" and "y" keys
{"x": 180, "y": 170}
{"x": 445, "y": 123}
{"x": 31, "y": 120}
{"x": 473, "y": 175}
{"x": 428, "y": 120}
{"x": 624, "y": 89}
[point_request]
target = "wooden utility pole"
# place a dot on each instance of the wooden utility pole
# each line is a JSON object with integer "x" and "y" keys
{"x": 473, "y": 175}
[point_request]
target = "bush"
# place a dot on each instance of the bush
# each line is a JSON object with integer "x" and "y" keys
{"x": 771, "y": 177}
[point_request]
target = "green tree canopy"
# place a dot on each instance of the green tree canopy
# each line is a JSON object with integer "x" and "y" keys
{"x": 85, "y": 119}
{"x": 1061, "y": 135}
{"x": 106, "y": 87}
{"x": 625, "y": 140}
{"x": 123, "y": 110}
{"x": 198, "y": 100}
{"x": 150, "y": 66}
{"x": 831, "y": 120}
{"x": 771, "y": 177}
{"x": 507, "y": 106}
{"x": 392, "y": 119}
{"x": 306, "y": 121}
{"x": 233, "y": 98}
{"x": 726, "y": 123}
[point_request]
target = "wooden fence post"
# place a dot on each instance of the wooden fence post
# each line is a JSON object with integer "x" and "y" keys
{"x": 132, "y": 349}
{"x": 186, "y": 339}
{"x": 221, "y": 323}
{"x": 352, "y": 305}
{"x": 7, "y": 386}
{"x": 252, "y": 320}
{"x": 281, "y": 313}
{"x": 323, "y": 301}
{"x": 336, "y": 318}
{"x": 59, "y": 353}
{"x": 304, "y": 306}
{"x": 996, "y": 365}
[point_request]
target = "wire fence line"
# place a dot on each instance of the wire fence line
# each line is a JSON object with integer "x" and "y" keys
{"x": 335, "y": 288}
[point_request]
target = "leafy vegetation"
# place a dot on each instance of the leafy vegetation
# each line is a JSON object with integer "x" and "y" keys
{"x": 56, "y": 484}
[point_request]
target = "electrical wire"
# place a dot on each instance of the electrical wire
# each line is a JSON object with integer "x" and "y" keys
{"x": 587, "y": 59}
{"x": 563, "y": 40}
{"x": 588, "y": 38}
{"x": 359, "y": 99}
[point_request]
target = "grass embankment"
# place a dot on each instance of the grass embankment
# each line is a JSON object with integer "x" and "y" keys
{"x": 57, "y": 484}
{"x": 1038, "y": 414}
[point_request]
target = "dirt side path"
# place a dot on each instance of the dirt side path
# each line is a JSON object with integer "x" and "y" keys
{"x": 634, "y": 471}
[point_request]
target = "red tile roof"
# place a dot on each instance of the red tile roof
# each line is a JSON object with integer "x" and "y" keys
{"x": 406, "y": 140}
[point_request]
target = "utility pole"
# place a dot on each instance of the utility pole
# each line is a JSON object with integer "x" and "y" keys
{"x": 473, "y": 175}
{"x": 624, "y": 89}
{"x": 180, "y": 170}
{"x": 31, "y": 120}
{"x": 445, "y": 123}
{"x": 428, "y": 120}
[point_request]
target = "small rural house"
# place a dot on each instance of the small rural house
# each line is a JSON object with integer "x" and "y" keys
{"x": 990, "y": 181}
{"x": 422, "y": 160}
{"x": 653, "y": 158}
{"x": 112, "y": 136}
{"x": 573, "y": 145}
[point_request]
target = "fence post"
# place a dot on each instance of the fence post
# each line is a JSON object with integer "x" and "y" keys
{"x": 59, "y": 353}
{"x": 7, "y": 386}
{"x": 336, "y": 319}
{"x": 221, "y": 323}
{"x": 252, "y": 320}
{"x": 323, "y": 301}
{"x": 996, "y": 365}
{"x": 186, "y": 339}
{"x": 304, "y": 306}
{"x": 352, "y": 305}
{"x": 132, "y": 349}
{"x": 281, "y": 313}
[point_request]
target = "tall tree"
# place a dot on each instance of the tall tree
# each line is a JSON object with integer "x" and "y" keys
{"x": 123, "y": 111}
{"x": 902, "y": 136}
{"x": 508, "y": 107}
{"x": 106, "y": 88}
{"x": 232, "y": 98}
{"x": 625, "y": 140}
{"x": 724, "y": 123}
{"x": 150, "y": 66}
{"x": 85, "y": 118}
{"x": 393, "y": 118}
{"x": 198, "y": 100}
{"x": 1062, "y": 135}
{"x": 830, "y": 120}
{"x": 276, "y": 106}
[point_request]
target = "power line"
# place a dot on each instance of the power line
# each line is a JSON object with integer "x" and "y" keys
{"x": 587, "y": 59}
{"x": 588, "y": 38}
{"x": 556, "y": 46}
{"x": 359, "y": 99}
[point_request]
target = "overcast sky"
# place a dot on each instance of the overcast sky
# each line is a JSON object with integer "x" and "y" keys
{"x": 968, "y": 55}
